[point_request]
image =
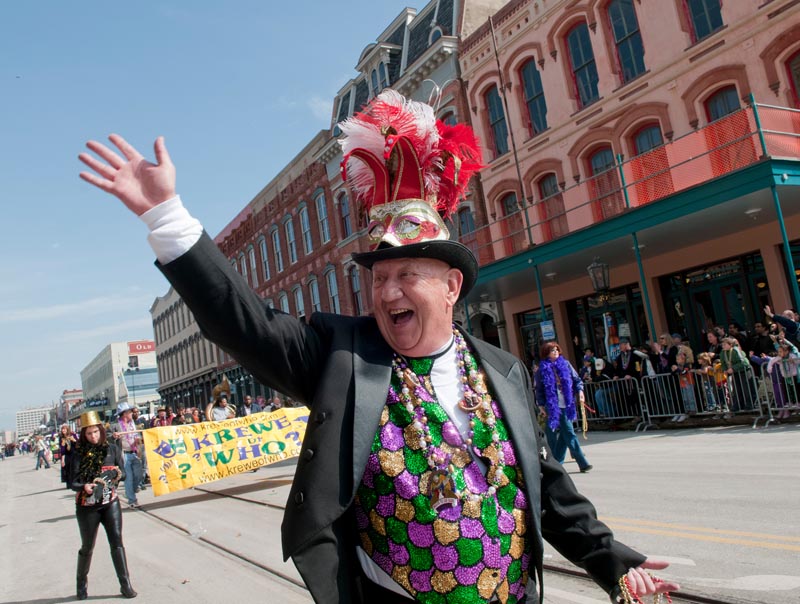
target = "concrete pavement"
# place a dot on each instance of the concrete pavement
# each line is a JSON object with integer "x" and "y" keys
{"x": 39, "y": 542}
{"x": 718, "y": 503}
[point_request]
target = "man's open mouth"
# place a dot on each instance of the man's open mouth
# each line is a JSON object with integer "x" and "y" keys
{"x": 400, "y": 315}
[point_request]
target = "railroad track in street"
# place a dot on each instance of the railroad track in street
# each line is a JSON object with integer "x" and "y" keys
{"x": 553, "y": 569}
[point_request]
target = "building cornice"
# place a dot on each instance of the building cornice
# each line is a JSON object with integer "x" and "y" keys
{"x": 443, "y": 49}
{"x": 331, "y": 149}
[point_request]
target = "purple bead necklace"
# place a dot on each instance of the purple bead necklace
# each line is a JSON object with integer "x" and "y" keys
{"x": 476, "y": 402}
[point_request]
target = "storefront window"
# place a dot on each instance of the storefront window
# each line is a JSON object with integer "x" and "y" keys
{"x": 700, "y": 298}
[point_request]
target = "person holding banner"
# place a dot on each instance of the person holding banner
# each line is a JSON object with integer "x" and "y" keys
{"x": 97, "y": 469}
{"x": 129, "y": 440}
{"x": 423, "y": 474}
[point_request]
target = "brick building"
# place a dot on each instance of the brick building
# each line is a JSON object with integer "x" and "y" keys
{"x": 625, "y": 131}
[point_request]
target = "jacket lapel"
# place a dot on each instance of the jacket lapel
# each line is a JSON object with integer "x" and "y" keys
{"x": 506, "y": 384}
{"x": 372, "y": 366}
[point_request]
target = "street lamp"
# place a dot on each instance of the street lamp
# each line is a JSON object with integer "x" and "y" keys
{"x": 131, "y": 371}
{"x": 598, "y": 273}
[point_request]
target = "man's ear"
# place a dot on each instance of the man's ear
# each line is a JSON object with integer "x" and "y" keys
{"x": 454, "y": 281}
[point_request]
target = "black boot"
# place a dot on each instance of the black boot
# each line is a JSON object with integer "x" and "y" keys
{"x": 84, "y": 561}
{"x": 121, "y": 566}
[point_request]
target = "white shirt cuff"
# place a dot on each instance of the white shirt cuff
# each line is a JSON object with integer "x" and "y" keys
{"x": 173, "y": 231}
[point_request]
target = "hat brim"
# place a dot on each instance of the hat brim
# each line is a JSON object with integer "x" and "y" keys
{"x": 455, "y": 254}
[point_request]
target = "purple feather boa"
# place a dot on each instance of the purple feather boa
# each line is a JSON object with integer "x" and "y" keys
{"x": 547, "y": 371}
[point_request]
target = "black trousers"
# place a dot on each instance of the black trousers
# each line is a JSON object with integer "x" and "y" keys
{"x": 90, "y": 517}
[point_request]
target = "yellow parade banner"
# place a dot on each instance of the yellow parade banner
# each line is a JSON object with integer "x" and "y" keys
{"x": 180, "y": 457}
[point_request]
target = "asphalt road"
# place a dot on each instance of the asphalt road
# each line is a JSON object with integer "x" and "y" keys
{"x": 718, "y": 503}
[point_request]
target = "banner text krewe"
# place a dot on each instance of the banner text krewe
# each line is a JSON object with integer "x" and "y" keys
{"x": 180, "y": 457}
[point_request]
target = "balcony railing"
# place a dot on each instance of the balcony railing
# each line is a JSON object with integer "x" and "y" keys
{"x": 723, "y": 146}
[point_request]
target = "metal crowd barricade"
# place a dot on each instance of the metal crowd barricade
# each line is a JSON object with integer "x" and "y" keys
{"x": 780, "y": 388}
{"x": 699, "y": 393}
{"x": 613, "y": 400}
{"x": 662, "y": 397}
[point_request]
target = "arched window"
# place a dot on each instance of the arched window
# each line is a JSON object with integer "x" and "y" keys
{"x": 497, "y": 122}
{"x": 374, "y": 80}
{"x": 793, "y": 71}
{"x": 355, "y": 289}
{"x": 251, "y": 254}
{"x": 344, "y": 212}
{"x": 305, "y": 227}
{"x": 243, "y": 269}
{"x": 235, "y": 264}
{"x": 627, "y": 38}
{"x": 449, "y": 118}
{"x": 650, "y": 168}
{"x": 466, "y": 223}
{"x": 322, "y": 217}
{"x": 383, "y": 75}
{"x": 705, "y": 17}
{"x": 333, "y": 291}
{"x": 647, "y": 138}
{"x": 276, "y": 249}
{"x": 534, "y": 98}
{"x": 551, "y": 207}
{"x": 581, "y": 59}
{"x": 728, "y": 134}
{"x": 262, "y": 244}
{"x": 313, "y": 290}
{"x": 299, "y": 304}
{"x": 511, "y": 227}
{"x": 604, "y": 184}
{"x": 722, "y": 102}
{"x": 283, "y": 301}
{"x": 291, "y": 244}
{"x": 436, "y": 33}
{"x": 509, "y": 204}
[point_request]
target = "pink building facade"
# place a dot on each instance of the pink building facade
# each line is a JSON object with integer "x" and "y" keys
{"x": 625, "y": 130}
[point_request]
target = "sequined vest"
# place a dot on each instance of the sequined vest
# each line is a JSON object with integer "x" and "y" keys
{"x": 476, "y": 550}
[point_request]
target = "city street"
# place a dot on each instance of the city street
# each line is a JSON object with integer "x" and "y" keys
{"x": 718, "y": 503}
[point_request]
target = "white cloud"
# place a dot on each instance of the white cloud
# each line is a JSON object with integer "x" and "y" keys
{"x": 320, "y": 108}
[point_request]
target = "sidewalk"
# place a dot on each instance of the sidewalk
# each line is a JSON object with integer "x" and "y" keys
{"x": 39, "y": 542}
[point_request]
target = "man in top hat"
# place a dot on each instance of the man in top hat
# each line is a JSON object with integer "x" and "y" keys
{"x": 423, "y": 474}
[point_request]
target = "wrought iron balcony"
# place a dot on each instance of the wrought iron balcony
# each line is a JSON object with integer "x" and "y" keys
{"x": 734, "y": 142}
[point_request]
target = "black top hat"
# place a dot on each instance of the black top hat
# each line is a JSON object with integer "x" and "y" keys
{"x": 411, "y": 173}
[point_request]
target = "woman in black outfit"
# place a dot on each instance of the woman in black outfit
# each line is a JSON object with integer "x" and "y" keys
{"x": 97, "y": 469}
{"x": 66, "y": 447}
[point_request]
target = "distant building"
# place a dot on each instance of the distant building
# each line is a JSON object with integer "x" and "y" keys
{"x": 68, "y": 400}
{"x": 121, "y": 371}
{"x": 29, "y": 420}
{"x": 187, "y": 362}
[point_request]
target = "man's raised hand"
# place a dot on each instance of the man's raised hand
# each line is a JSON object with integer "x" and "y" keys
{"x": 138, "y": 183}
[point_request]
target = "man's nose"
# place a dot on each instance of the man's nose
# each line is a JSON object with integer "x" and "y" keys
{"x": 391, "y": 291}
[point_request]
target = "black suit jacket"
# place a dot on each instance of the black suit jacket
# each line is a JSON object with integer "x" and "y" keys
{"x": 341, "y": 367}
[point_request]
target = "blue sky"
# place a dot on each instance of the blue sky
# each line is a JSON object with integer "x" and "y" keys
{"x": 237, "y": 88}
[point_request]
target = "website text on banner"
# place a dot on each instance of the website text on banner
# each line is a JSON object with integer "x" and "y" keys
{"x": 180, "y": 457}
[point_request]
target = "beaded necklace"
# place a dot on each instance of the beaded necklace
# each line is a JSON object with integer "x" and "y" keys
{"x": 477, "y": 403}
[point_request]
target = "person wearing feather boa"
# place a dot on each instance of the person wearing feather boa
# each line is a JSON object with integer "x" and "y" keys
{"x": 97, "y": 469}
{"x": 557, "y": 386}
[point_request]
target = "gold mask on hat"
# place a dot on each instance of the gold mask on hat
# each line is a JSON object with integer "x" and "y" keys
{"x": 404, "y": 222}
